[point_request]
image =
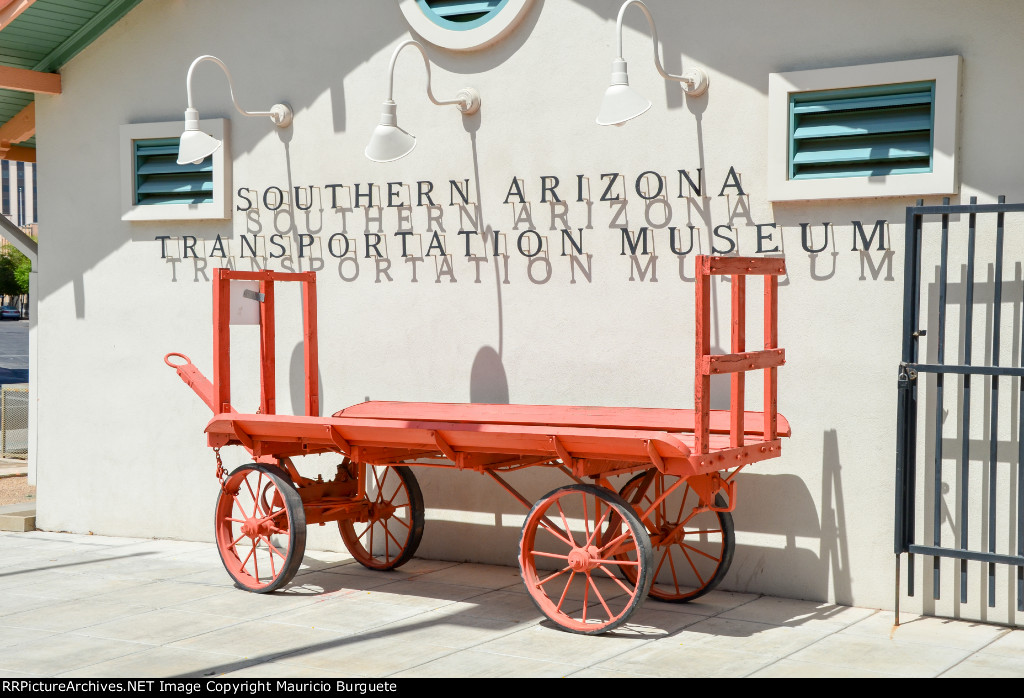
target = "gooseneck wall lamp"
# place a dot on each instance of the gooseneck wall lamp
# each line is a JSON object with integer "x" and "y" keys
{"x": 195, "y": 145}
{"x": 389, "y": 142}
{"x": 621, "y": 102}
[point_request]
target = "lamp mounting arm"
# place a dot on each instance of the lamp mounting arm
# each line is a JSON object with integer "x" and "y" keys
{"x": 467, "y": 99}
{"x": 280, "y": 114}
{"x": 694, "y": 80}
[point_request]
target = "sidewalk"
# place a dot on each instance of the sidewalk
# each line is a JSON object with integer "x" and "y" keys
{"x": 93, "y": 606}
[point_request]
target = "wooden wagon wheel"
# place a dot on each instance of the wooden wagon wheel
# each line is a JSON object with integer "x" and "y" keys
{"x": 391, "y": 534}
{"x": 260, "y": 527}
{"x": 575, "y": 573}
{"x": 692, "y": 549}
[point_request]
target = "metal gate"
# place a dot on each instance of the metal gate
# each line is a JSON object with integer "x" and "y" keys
{"x": 960, "y": 421}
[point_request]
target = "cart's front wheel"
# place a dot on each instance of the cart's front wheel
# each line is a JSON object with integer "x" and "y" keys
{"x": 693, "y": 546}
{"x": 576, "y": 544}
{"x": 260, "y": 527}
{"x": 390, "y": 535}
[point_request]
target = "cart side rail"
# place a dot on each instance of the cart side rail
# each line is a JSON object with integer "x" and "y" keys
{"x": 222, "y": 338}
{"x": 739, "y": 361}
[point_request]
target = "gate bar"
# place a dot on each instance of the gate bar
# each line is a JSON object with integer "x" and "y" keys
{"x": 965, "y": 422}
{"x": 994, "y": 419}
{"x": 939, "y": 380}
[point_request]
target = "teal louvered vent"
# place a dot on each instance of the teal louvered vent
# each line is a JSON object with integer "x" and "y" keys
{"x": 159, "y": 179}
{"x": 862, "y": 131}
{"x": 460, "y": 14}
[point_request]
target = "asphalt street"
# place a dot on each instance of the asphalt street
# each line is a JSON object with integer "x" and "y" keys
{"x": 13, "y": 351}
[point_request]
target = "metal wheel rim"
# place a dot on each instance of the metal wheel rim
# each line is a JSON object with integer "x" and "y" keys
{"x": 597, "y": 611}
{"x": 256, "y": 545}
{"x": 384, "y": 541}
{"x": 692, "y": 565}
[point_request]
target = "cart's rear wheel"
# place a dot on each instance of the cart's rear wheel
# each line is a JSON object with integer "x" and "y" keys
{"x": 692, "y": 548}
{"x": 575, "y": 574}
{"x": 260, "y": 527}
{"x": 392, "y": 533}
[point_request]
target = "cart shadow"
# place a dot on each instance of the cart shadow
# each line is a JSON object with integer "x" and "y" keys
{"x": 653, "y": 622}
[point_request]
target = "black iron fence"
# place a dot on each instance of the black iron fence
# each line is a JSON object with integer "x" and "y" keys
{"x": 960, "y": 422}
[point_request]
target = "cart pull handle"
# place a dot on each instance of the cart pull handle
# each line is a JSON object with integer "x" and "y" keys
{"x": 167, "y": 360}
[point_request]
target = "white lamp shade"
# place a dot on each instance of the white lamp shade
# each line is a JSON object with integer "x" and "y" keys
{"x": 195, "y": 146}
{"x": 388, "y": 141}
{"x": 620, "y": 104}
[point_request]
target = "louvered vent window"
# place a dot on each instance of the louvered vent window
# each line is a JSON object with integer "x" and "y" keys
{"x": 461, "y": 14}
{"x": 862, "y": 131}
{"x": 159, "y": 179}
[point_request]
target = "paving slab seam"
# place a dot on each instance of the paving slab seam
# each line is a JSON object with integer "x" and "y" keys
{"x": 954, "y": 665}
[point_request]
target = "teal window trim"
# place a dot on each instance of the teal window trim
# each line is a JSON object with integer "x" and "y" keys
{"x": 461, "y": 15}
{"x": 159, "y": 179}
{"x": 862, "y": 132}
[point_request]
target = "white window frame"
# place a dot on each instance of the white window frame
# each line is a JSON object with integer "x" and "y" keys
{"x": 487, "y": 34}
{"x": 942, "y": 180}
{"x": 218, "y": 209}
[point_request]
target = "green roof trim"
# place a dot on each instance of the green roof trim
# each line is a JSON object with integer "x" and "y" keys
{"x": 49, "y": 34}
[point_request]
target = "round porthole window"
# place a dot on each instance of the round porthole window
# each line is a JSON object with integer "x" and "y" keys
{"x": 464, "y": 25}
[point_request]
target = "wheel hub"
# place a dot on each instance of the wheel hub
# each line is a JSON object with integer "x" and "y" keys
{"x": 583, "y": 559}
{"x": 381, "y": 510}
{"x": 255, "y": 528}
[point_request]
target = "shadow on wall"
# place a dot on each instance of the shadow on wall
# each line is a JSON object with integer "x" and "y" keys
{"x": 297, "y": 381}
{"x": 782, "y": 505}
{"x": 487, "y": 379}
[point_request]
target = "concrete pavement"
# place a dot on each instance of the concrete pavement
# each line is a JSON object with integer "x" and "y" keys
{"x": 94, "y": 606}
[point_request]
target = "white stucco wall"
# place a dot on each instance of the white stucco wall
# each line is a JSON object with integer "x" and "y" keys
{"x": 121, "y": 449}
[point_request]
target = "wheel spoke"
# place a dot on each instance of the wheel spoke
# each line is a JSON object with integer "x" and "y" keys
{"x": 269, "y": 517}
{"x": 387, "y": 534}
{"x": 672, "y": 567}
{"x": 597, "y": 526}
{"x": 565, "y": 522}
{"x": 376, "y": 480}
{"x": 392, "y": 537}
{"x": 613, "y": 561}
{"x": 565, "y": 591}
{"x": 365, "y": 530}
{"x": 586, "y": 600}
{"x": 249, "y": 487}
{"x": 273, "y": 571}
{"x": 547, "y": 525}
{"x": 693, "y": 567}
{"x": 608, "y": 548}
{"x": 235, "y": 541}
{"x": 682, "y": 502}
{"x": 398, "y": 490}
{"x": 554, "y": 555}
{"x": 255, "y": 560}
{"x": 246, "y": 560}
{"x": 552, "y": 575}
{"x": 600, "y": 598}
{"x": 698, "y": 551}
{"x": 586, "y": 517}
{"x": 256, "y": 500}
{"x": 617, "y": 580}
{"x": 275, "y": 550}
{"x": 657, "y": 570}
